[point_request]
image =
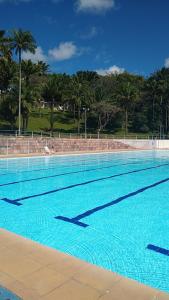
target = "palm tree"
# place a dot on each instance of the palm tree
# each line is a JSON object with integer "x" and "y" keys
{"x": 42, "y": 68}
{"x": 128, "y": 95}
{"x": 7, "y": 66}
{"x": 52, "y": 93}
{"x": 29, "y": 69}
{"x": 79, "y": 96}
{"x": 127, "y": 92}
{"x": 22, "y": 41}
{"x": 5, "y": 47}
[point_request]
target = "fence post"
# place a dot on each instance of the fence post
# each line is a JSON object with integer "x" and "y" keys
{"x": 32, "y": 134}
{"x": 41, "y": 134}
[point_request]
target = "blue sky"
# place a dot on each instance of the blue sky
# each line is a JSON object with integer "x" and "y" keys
{"x": 103, "y": 35}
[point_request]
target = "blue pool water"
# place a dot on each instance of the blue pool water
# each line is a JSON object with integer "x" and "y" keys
{"x": 7, "y": 295}
{"x": 111, "y": 210}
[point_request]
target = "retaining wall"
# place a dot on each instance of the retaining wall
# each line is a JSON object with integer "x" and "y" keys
{"x": 23, "y": 145}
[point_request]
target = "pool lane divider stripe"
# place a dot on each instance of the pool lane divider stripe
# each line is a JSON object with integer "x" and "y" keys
{"x": 76, "y": 220}
{"x": 62, "y": 174}
{"x": 74, "y": 165}
{"x": 53, "y": 168}
{"x": 158, "y": 249}
{"x": 54, "y": 161}
{"x": 16, "y": 201}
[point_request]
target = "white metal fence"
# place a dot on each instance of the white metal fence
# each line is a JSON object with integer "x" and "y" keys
{"x": 14, "y": 133}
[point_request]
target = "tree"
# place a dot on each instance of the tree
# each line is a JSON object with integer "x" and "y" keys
{"x": 42, "y": 68}
{"x": 5, "y": 47}
{"x": 89, "y": 76}
{"x": 34, "y": 78}
{"x": 157, "y": 95}
{"x": 22, "y": 41}
{"x": 104, "y": 111}
{"x": 127, "y": 92}
{"x": 7, "y": 66}
{"x": 151, "y": 94}
{"x": 52, "y": 93}
{"x": 9, "y": 108}
{"x": 81, "y": 95}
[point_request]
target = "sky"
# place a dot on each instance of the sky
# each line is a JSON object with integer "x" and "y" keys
{"x": 106, "y": 36}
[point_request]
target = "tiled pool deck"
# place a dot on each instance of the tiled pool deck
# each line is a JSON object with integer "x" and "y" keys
{"x": 35, "y": 272}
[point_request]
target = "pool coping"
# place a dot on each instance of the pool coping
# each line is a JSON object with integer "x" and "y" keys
{"x": 74, "y": 153}
{"x": 33, "y": 272}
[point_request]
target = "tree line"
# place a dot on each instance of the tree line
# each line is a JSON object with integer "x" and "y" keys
{"x": 115, "y": 101}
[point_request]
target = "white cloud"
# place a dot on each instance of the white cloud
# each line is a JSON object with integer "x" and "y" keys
{"x": 64, "y": 51}
{"x": 112, "y": 70}
{"x": 167, "y": 63}
{"x": 96, "y": 6}
{"x": 38, "y": 56}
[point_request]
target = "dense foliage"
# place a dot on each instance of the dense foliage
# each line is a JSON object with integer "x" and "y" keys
{"x": 112, "y": 102}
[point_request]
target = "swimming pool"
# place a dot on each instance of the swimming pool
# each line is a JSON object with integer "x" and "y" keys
{"x": 111, "y": 210}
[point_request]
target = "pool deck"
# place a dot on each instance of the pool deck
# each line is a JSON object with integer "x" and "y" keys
{"x": 34, "y": 272}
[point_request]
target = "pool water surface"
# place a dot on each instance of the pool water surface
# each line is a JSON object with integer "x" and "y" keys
{"x": 111, "y": 210}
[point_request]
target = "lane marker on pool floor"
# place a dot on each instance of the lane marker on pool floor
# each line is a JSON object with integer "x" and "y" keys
{"x": 63, "y": 174}
{"x": 158, "y": 249}
{"x": 76, "y": 219}
{"x": 17, "y": 201}
{"x": 54, "y": 164}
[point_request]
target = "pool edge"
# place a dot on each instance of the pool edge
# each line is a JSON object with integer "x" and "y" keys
{"x": 73, "y": 153}
{"x": 33, "y": 271}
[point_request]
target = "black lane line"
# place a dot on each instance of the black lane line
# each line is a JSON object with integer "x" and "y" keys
{"x": 54, "y": 162}
{"x": 65, "y": 160}
{"x": 46, "y": 169}
{"x": 74, "y": 165}
{"x": 78, "y": 165}
{"x": 158, "y": 249}
{"x": 63, "y": 174}
{"x": 16, "y": 201}
{"x": 76, "y": 219}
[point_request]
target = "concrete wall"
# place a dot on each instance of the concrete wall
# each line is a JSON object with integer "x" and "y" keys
{"x": 27, "y": 145}
{"x": 140, "y": 144}
{"x": 162, "y": 144}
{"x": 146, "y": 144}
{"x": 21, "y": 145}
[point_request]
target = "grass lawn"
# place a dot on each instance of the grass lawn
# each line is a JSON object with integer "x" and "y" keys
{"x": 39, "y": 121}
